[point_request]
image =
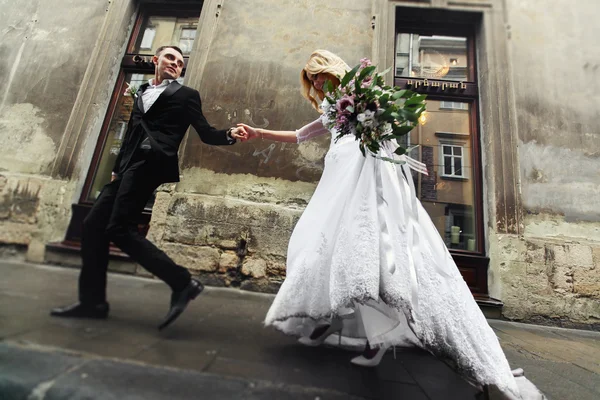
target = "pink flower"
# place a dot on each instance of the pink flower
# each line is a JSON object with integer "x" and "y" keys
{"x": 364, "y": 63}
{"x": 367, "y": 82}
{"x": 344, "y": 102}
{"x": 341, "y": 120}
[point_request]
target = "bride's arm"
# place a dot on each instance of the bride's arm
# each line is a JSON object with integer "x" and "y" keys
{"x": 308, "y": 131}
{"x": 278, "y": 136}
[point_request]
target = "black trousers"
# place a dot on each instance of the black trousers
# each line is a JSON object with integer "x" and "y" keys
{"x": 114, "y": 217}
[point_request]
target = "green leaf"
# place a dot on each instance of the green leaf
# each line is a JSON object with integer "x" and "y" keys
{"x": 408, "y": 115}
{"x": 349, "y": 75}
{"x": 399, "y": 94}
{"x": 328, "y": 86}
{"x": 401, "y": 130}
{"x": 415, "y": 99}
{"x": 350, "y": 108}
{"x": 383, "y": 100}
{"x": 357, "y": 87}
{"x": 400, "y": 151}
{"x": 385, "y": 72}
{"x": 365, "y": 72}
{"x": 387, "y": 114}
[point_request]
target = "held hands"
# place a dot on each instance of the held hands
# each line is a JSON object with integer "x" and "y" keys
{"x": 251, "y": 133}
{"x": 243, "y": 132}
{"x": 238, "y": 134}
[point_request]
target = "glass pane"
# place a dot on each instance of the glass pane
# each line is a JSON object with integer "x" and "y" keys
{"x": 457, "y": 166}
{"x": 448, "y": 165}
{"x": 433, "y": 57}
{"x": 187, "y": 39}
{"x": 116, "y": 132}
{"x": 160, "y": 31}
{"x": 148, "y": 38}
{"x": 448, "y": 192}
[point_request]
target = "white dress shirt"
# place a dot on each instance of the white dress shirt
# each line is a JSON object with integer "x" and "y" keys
{"x": 149, "y": 96}
{"x": 152, "y": 92}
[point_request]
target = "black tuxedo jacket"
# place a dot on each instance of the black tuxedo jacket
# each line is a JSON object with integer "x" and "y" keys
{"x": 165, "y": 124}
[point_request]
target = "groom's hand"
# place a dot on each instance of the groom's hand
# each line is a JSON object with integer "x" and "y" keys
{"x": 239, "y": 133}
{"x": 251, "y": 133}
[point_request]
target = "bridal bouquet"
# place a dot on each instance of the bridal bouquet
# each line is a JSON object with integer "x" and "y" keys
{"x": 363, "y": 106}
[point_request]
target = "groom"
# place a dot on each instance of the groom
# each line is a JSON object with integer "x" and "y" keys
{"x": 162, "y": 113}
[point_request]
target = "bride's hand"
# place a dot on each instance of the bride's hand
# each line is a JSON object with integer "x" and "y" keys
{"x": 251, "y": 132}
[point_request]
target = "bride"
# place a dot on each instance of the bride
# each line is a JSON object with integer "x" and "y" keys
{"x": 366, "y": 262}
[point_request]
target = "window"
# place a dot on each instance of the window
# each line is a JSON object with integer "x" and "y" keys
{"x": 186, "y": 40}
{"x": 454, "y": 105}
{"x": 148, "y": 38}
{"x": 431, "y": 56}
{"x": 438, "y": 59}
{"x": 452, "y": 160}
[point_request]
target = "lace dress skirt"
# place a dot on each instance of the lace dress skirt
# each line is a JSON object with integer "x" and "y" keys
{"x": 366, "y": 250}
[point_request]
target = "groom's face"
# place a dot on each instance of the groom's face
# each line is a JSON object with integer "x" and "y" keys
{"x": 169, "y": 64}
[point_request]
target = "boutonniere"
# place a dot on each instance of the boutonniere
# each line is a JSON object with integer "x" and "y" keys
{"x": 131, "y": 90}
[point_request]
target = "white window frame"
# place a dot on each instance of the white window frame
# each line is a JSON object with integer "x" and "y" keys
{"x": 185, "y": 29}
{"x": 454, "y": 105}
{"x": 148, "y": 38}
{"x": 463, "y": 158}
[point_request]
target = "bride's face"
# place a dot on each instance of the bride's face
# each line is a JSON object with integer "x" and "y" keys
{"x": 318, "y": 80}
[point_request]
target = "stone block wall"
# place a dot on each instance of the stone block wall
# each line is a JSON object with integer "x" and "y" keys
{"x": 223, "y": 241}
{"x": 548, "y": 280}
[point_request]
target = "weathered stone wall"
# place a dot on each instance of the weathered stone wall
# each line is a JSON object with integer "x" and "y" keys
{"x": 44, "y": 54}
{"x": 552, "y": 270}
{"x": 231, "y": 217}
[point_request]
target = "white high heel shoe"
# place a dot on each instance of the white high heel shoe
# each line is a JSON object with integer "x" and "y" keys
{"x": 374, "y": 361}
{"x": 336, "y": 326}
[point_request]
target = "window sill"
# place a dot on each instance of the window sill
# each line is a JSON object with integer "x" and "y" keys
{"x": 454, "y": 178}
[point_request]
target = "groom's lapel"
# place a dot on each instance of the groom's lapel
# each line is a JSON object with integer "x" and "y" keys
{"x": 139, "y": 102}
{"x": 169, "y": 91}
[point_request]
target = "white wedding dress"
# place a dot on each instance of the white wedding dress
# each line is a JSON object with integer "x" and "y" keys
{"x": 366, "y": 250}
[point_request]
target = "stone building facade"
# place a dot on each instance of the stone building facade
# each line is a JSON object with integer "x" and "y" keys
{"x": 537, "y": 70}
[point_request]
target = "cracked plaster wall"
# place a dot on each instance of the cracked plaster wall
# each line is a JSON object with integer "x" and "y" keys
{"x": 552, "y": 271}
{"x": 230, "y": 218}
{"x": 44, "y": 52}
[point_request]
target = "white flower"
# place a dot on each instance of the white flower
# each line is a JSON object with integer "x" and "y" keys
{"x": 387, "y": 128}
{"x": 363, "y": 117}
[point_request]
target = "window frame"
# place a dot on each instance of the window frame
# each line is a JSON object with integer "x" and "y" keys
{"x": 452, "y": 156}
{"x": 131, "y": 63}
{"x": 431, "y": 22}
{"x": 449, "y": 105}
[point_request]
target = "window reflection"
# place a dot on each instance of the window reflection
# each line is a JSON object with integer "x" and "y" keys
{"x": 433, "y": 57}
{"x": 447, "y": 194}
{"x": 116, "y": 133}
{"x": 161, "y": 30}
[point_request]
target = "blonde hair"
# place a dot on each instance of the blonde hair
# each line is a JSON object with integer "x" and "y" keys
{"x": 321, "y": 62}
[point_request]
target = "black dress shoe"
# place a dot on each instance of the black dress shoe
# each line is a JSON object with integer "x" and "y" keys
{"x": 82, "y": 310}
{"x": 180, "y": 300}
